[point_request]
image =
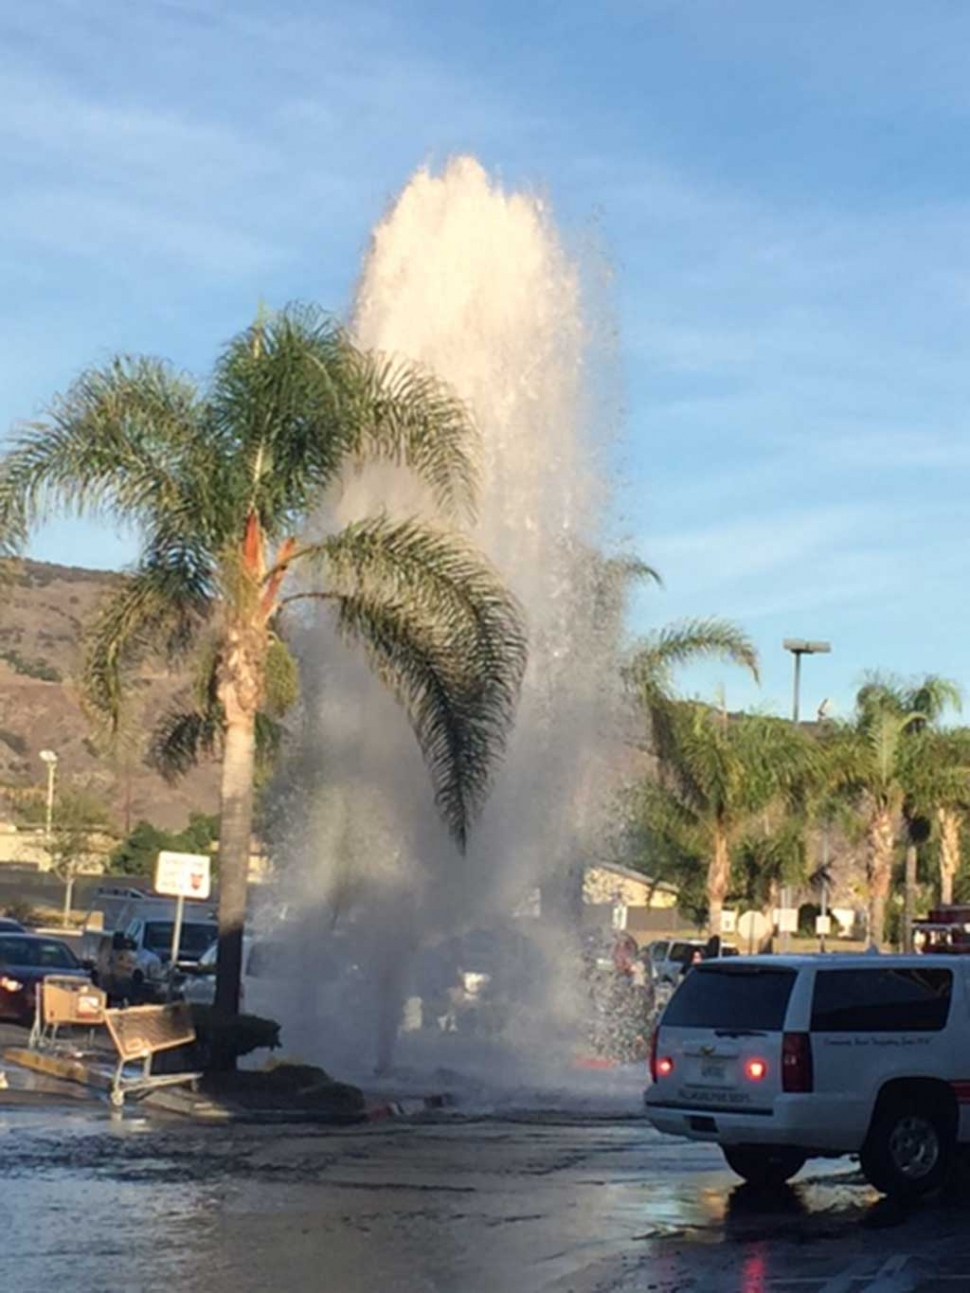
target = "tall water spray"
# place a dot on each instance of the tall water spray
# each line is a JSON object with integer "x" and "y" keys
{"x": 474, "y": 283}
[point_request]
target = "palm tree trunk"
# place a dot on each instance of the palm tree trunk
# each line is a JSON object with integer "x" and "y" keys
{"x": 718, "y": 876}
{"x": 235, "y": 834}
{"x": 882, "y": 838}
{"x": 910, "y": 898}
{"x": 949, "y": 852}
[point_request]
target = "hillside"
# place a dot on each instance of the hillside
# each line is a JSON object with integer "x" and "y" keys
{"x": 42, "y": 619}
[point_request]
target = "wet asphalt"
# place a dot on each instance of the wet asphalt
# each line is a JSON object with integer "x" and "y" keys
{"x": 546, "y": 1201}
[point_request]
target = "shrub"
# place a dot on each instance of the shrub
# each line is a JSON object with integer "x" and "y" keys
{"x": 22, "y": 911}
{"x": 14, "y": 741}
{"x": 223, "y": 1039}
{"x": 39, "y": 669}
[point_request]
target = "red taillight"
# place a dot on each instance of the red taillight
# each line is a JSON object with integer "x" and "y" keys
{"x": 663, "y": 1066}
{"x": 796, "y": 1063}
{"x": 755, "y": 1070}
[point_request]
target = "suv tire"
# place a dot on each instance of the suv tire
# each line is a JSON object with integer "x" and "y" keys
{"x": 764, "y": 1165}
{"x": 909, "y": 1149}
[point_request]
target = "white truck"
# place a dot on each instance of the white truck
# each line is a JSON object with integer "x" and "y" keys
{"x": 133, "y": 962}
{"x": 782, "y": 1058}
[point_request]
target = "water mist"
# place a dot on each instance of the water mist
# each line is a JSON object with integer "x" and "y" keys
{"x": 474, "y": 283}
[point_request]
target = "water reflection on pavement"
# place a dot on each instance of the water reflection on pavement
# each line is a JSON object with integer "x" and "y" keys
{"x": 94, "y": 1202}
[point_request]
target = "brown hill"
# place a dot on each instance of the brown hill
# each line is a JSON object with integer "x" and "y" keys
{"x": 43, "y": 614}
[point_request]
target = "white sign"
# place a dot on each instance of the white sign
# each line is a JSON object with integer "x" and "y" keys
{"x": 619, "y": 915}
{"x": 729, "y": 922}
{"x": 753, "y": 927}
{"x": 184, "y": 875}
{"x": 786, "y": 918}
{"x": 823, "y": 925}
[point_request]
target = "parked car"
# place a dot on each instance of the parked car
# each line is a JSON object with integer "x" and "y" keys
{"x": 263, "y": 959}
{"x": 667, "y": 958}
{"x": 779, "y": 1059}
{"x": 24, "y": 960}
{"x": 133, "y": 963}
{"x": 10, "y": 926}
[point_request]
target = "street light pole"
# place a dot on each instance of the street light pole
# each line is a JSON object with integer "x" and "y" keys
{"x": 50, "y": 759}
{"x": 798, "y": 647}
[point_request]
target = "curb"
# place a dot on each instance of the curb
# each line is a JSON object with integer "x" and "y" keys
{"x": 194, "y": 1106}
{"x": 58, "y": 1066}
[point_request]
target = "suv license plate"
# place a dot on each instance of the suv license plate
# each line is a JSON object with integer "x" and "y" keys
{"x": 712, "y": 1071}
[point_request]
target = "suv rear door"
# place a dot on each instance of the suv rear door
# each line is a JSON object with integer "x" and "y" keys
{"x": 720, "y": 1040}
{"x": 872, "y": 1024}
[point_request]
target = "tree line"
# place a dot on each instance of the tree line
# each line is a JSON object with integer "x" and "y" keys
{"x": 734, "y": 800}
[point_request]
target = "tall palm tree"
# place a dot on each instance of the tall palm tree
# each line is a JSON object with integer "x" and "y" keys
{"x": 940, "y": 790}
{"x": 875, "y": 761}
{"x": 219, "y": 480}
{"x": 721, "y": 775}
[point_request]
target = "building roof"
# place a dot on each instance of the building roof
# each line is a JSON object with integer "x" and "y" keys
{"x": 628, "y": 873}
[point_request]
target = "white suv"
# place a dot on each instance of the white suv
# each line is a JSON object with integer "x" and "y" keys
{"x": 781, "y": 1058}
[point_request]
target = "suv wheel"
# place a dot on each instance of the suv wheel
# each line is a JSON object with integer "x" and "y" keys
{"x": 909, "y": 1149}
{"x": 764, "y": 1165}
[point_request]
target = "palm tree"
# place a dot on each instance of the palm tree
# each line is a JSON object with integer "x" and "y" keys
{"x": 940, "y": 790}
{"x": 219, "y": 481}
{"x": 874, "y": 760}
{"x": 721, "y": 775}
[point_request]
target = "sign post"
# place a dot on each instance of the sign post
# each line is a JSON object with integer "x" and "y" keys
{"x": 181, "y": 876}
{"x": 753, "y": 926}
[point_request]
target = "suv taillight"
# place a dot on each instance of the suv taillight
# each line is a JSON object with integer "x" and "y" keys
{"x": 653, "y": 1054}
{"x": 796, "y": 1063}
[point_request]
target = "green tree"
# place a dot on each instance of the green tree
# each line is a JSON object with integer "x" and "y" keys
{"x": 79, "y": 824}
{"x": 939, "y": 789}
{"x": 137, "y": 854}
{"x": 219, "y": 481}
{"x": 721, "y": 776}
{"x": 874, "y": 760}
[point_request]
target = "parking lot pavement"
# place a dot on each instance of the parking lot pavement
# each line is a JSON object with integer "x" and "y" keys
{"x": 447, "y": 1206}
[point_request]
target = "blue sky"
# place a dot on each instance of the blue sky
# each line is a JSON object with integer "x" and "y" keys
{"x": 781, "y": 191}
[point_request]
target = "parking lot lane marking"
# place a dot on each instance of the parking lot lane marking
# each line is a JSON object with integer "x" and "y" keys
{"x": 844, "y": 1281}
{"x": 892, "y": 1276}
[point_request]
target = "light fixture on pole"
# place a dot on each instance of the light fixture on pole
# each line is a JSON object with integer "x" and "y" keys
{"x": 799, "y": 647}
{"x": 50, "y": 758}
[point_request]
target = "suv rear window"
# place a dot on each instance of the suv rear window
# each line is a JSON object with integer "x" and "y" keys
{"x": 883, "y": 1000}
{"x": 722, "y": 997}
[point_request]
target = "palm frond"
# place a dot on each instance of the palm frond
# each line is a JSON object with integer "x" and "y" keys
{"x": 401, "y": 413}
{"x": 460, "y": 708}
{"x": 442, "y": 581}
{"x": 105, "y": 447}
{"x": 687, "y": 642}
{"x": 160, "y": 609}
{"x": 298, "y": 400}
{"x": 282, "y": 679}
{"x": 444, "y": 634}
{"x": 181, "y": 738}
{"x": 932, "y": 696}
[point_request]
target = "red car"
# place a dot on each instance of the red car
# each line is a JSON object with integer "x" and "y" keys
{"x": 24, "y": 960}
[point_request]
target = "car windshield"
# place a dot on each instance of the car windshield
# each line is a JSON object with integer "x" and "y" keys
{"x": 727, "y": 997}
{"x": 194, "y": 940}
{"x": 37, "y": 953}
